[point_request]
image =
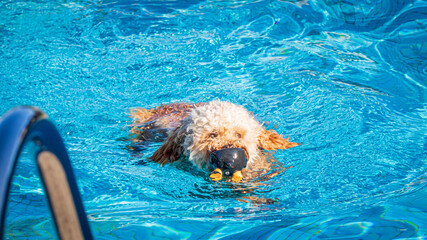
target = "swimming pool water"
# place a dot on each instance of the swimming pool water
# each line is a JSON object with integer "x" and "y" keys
{"x": 346, "y": 78}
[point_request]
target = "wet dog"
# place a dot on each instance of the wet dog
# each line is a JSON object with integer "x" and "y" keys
{"x": 195, "y": 132}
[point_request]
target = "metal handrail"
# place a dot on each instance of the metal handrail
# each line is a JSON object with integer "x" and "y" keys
{"x": 19, "y": 126}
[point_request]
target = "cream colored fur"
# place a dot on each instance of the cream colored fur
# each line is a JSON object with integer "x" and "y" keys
{"x": 233, "y": 124}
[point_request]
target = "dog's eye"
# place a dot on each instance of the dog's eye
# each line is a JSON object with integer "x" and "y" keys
{"x": 213, "y": 135}
{"x": 238, "y": 135}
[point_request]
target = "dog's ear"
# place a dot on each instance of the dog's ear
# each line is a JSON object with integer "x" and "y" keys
{"x": 171, "y": 150}
{"x": 271, "y": 140}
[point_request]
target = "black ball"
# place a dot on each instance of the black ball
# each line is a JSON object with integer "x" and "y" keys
{"x": 229, "y": 160}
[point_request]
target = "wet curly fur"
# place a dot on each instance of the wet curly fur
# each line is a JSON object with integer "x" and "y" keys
{"x": 196, "y": 130}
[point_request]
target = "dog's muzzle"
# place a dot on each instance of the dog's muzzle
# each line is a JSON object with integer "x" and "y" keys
{"x": 229, "y": 160}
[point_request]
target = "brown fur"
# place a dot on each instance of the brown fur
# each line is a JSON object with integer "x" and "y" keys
{"x": 171, "y": 150}
{"x": 164, "y": 116}
{"x": 271, "y": 140}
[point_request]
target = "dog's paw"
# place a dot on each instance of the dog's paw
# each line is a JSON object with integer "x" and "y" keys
{"x": 216, "y": 175}
{"x": 237, "y": 176}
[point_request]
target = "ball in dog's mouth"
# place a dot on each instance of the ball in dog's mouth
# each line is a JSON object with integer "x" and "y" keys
{"x": 229, "y": 160}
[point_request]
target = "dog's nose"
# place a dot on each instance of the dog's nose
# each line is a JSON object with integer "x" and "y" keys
{"x": 232, "y": 159}
{"x": 227, "y": 146}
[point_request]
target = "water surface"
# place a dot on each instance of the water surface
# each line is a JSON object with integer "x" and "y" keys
{"x": 346, "y": 78}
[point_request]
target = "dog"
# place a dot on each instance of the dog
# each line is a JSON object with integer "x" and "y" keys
{"x": 194, "y": 132}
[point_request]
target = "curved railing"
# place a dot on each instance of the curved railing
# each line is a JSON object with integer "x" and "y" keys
{"x": 21, "y": 125}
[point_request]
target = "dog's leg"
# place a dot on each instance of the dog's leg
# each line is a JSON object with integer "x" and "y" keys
{"x": 237, "y": 176}
{"x": 216, "y": 175}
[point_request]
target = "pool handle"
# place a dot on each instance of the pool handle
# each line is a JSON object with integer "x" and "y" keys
{"x": 20, "y": 125}
{"x": 60, "y": 197}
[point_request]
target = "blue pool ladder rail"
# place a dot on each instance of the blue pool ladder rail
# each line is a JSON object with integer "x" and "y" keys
{"x": 21, "y": 125}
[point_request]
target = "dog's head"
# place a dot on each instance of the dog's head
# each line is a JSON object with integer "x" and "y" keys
{"x": 218, "y": 125}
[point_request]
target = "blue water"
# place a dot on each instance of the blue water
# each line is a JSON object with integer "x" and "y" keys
{"x": 346, "y": 78}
